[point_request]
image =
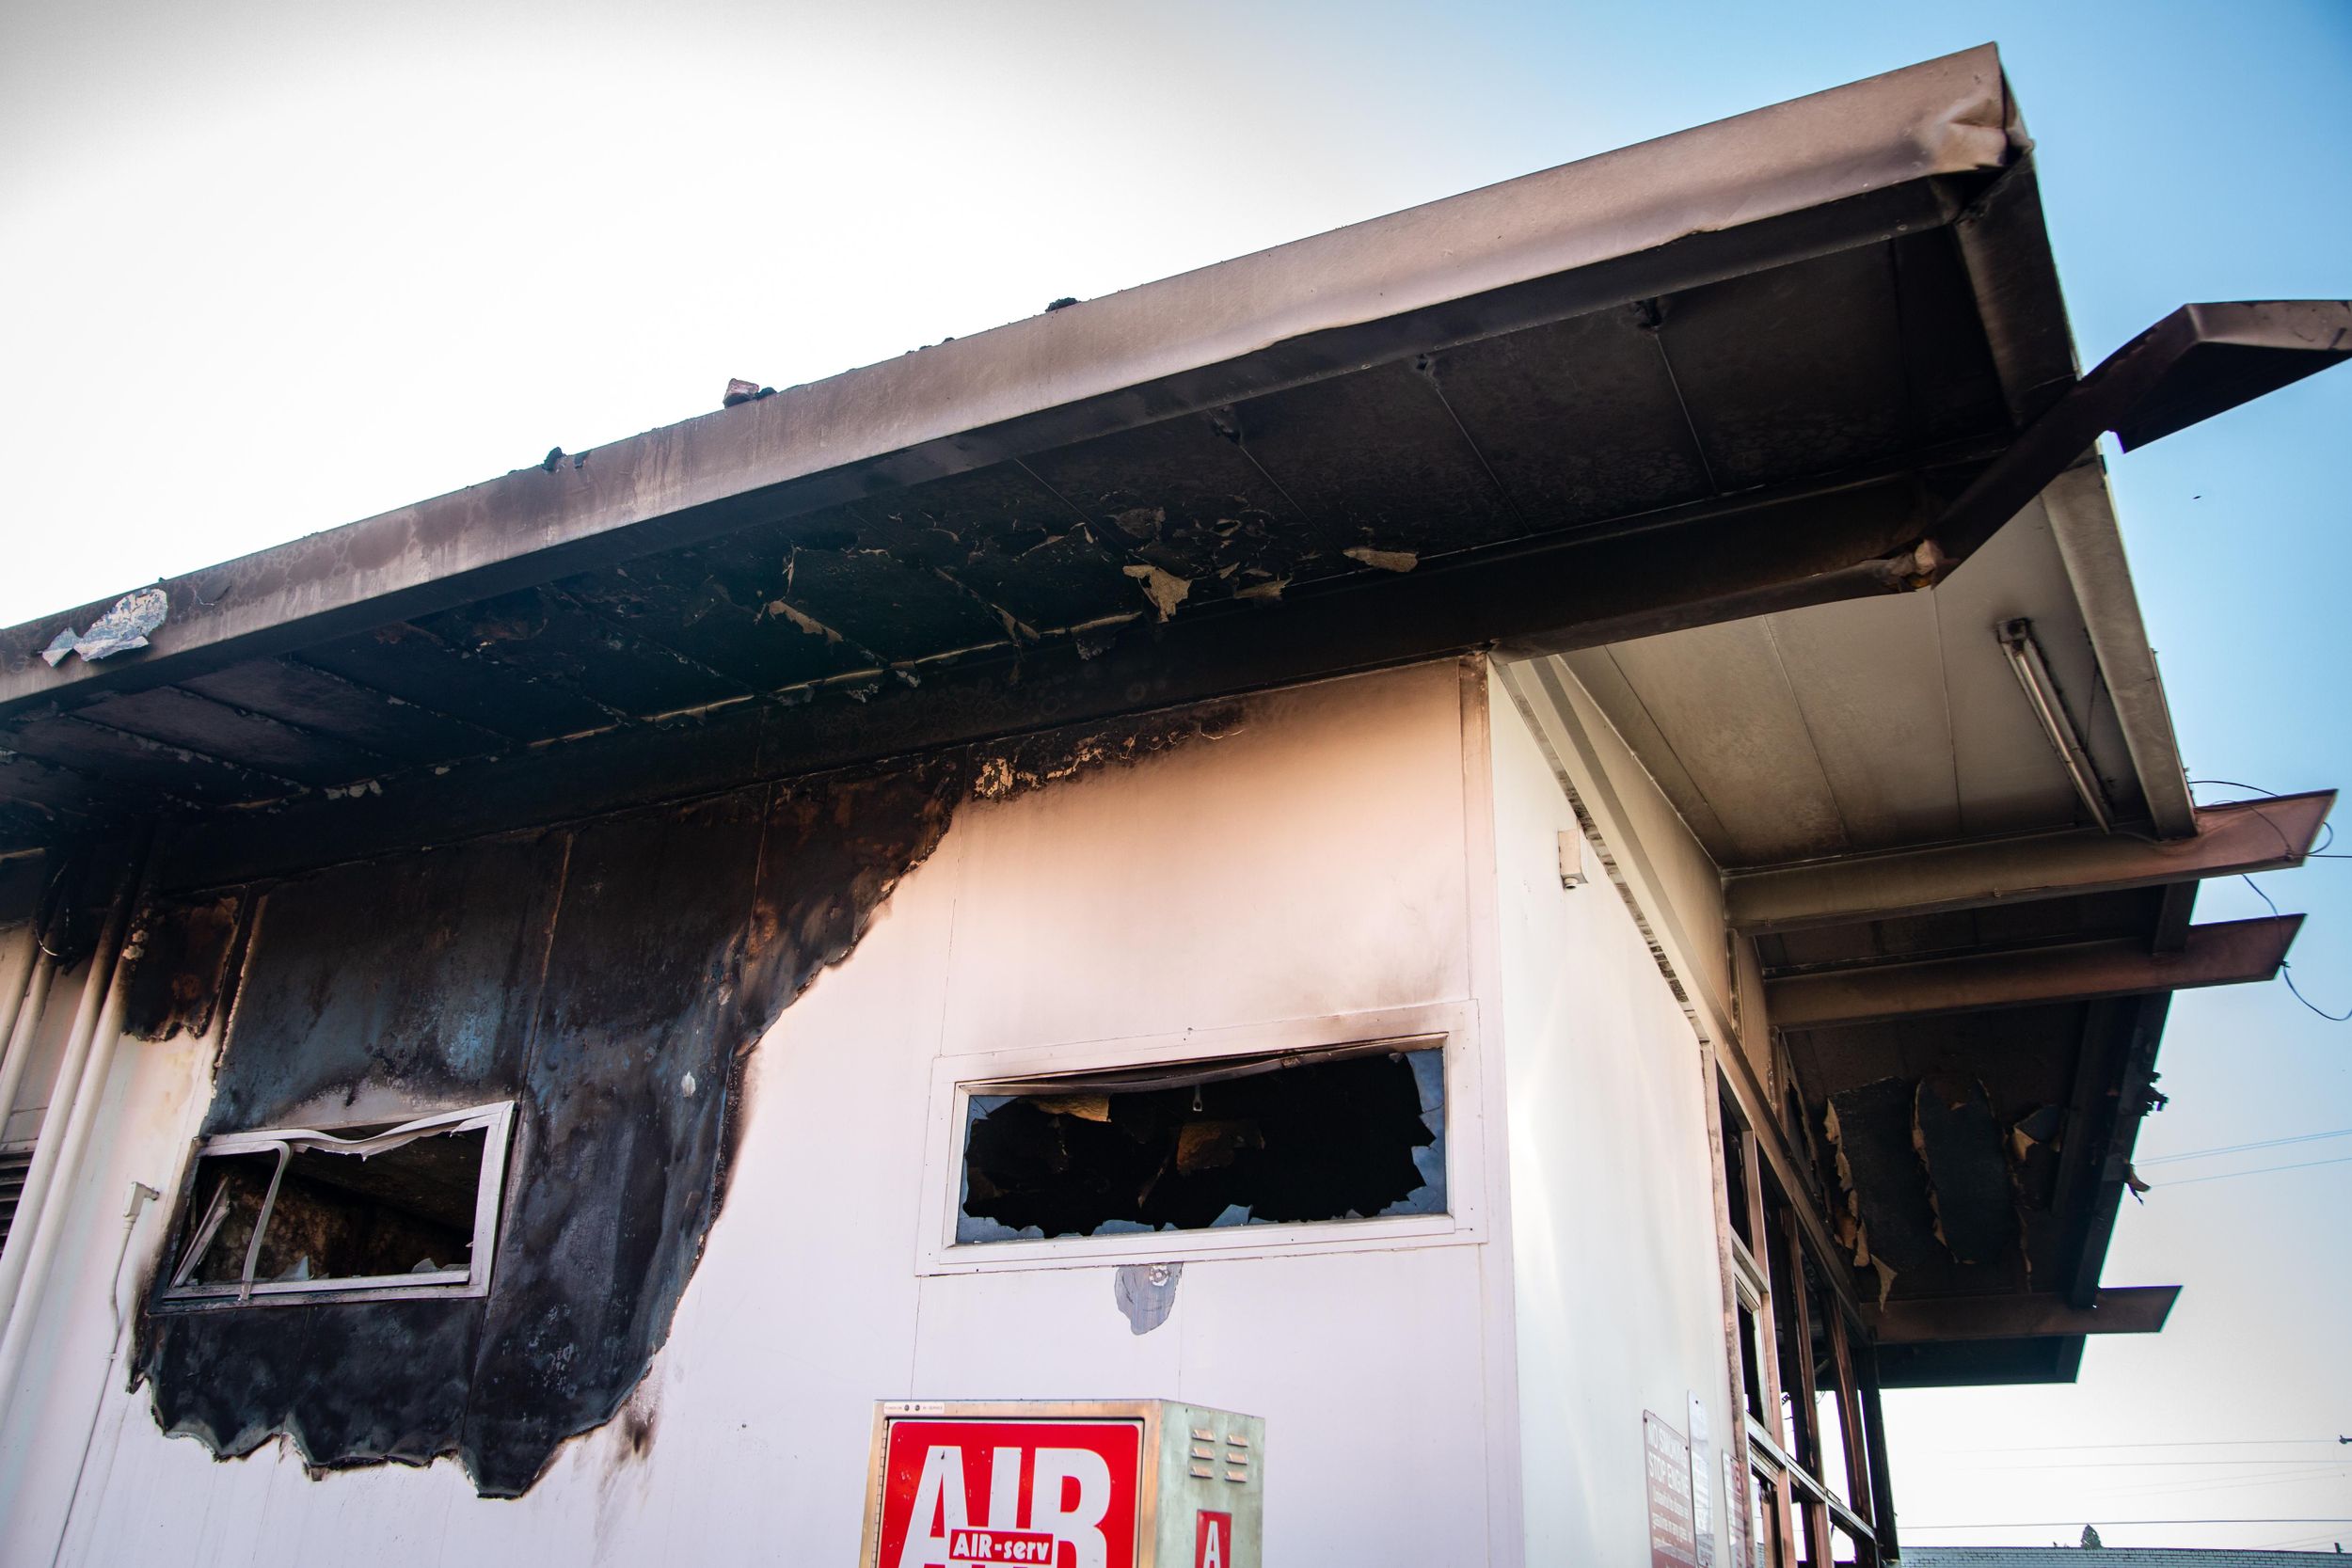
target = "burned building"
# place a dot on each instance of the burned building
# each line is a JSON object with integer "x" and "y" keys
{"x": 1535, "y": 841}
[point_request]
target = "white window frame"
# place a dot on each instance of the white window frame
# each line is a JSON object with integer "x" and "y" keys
{"x": 181, "y": 1295}
{"x": 956, "y": 1079}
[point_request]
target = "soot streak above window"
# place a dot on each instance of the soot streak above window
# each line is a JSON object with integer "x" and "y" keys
{"x": 1343, "y": 1134}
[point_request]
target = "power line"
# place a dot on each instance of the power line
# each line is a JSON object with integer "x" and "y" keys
{"x": 2259, "y": 1171}
{"x": 2198, "y": 1442}
{"x": 2286, "y": 970}
{"x": 2144, "y": 1464}
{"x": 2170, "y": 1487}
{"x": 2241, "y": 1149}
{"x": 2069, "y": 1523}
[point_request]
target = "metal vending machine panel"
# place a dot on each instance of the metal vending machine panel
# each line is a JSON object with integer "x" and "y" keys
{"x": 1094, "y": 1484}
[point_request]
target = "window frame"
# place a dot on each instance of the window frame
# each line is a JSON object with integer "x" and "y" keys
{"x": 176, "y": 1292}
{"x": 1806, "y": 1507}
{"x": 956, "y": 1078}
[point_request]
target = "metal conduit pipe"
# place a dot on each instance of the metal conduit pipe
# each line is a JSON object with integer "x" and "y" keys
{"x": 49, "y": 1226}
{"x": 17, "y": 1052}
{"x": 33, "y": 1202}
{"x": 141, "y": 1195}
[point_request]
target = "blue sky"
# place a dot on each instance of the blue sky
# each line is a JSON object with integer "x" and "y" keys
{"x": 274, "y": 267}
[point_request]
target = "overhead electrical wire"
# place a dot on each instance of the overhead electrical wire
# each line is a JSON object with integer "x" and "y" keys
{"x": 2069, "y": 1523}
{"x": 2259, "y": 1171}
{"x": 2169, "y": 1442}
{"x": 2242, "y": 1148}
{"x": 2286, "y": 971}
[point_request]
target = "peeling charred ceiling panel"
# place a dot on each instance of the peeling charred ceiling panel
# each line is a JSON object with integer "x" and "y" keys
{"x": 610, "y": 978}
{"x": 1950, "y": 1198}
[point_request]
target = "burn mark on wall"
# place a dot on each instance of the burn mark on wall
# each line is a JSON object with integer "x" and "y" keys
{"x": 589, "y": 973}
{"x": 184, "y": 951}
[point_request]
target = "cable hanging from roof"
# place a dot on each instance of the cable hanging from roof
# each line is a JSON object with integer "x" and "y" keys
{"x": 2286, "y": 969}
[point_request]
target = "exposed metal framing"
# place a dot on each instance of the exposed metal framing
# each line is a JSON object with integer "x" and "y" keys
{"x": 2268, "y": 835}
{"x": 181, "y": 1292}
{"x": 2224, "y": 953}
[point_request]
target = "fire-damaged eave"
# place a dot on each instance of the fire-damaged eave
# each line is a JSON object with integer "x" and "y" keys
{"x": 1342, "y": 453}
{"x": 1667, "y": 214}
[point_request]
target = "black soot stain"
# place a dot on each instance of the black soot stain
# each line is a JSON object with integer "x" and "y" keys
{"x": 584, "y": 973}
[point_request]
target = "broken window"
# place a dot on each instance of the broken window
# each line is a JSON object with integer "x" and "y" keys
{"x": 1350, "y": 1132}
{"x": 402, "y": 1208}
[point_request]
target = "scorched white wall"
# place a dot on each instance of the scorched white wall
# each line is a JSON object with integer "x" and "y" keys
{"x": 1619, "y": 1287}
{"x": 1358, "y": 846}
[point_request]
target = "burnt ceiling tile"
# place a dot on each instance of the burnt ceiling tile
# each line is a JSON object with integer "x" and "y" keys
{"x": 900, "y": 609}
{"x": 2027, "y": 1056}
{"x": 1376, "y": 461}
{"x": 327, "y": 704}
{"x": 1960, "y": 1140}
{"x": 1791, "y": 372}
{"x": 420, "y": 668}
{"x": 1182, "y": 495}
{"x": 174, "y": 772}
{"x": 252, "y": 740}
{"x": 538, "y": 632}
{"x": 46, "y": 787}
{"x": 1015, "y": 544}
{"x": 1578, "y": 418}
{"x": 719, "y": 603}
{"x": 1889, "y": 1188}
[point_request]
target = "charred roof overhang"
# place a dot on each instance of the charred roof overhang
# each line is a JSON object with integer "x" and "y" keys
{"x": 1677, "y": 382}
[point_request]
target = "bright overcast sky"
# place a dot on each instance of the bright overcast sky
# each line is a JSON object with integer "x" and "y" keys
{"x": 272, "y": 267}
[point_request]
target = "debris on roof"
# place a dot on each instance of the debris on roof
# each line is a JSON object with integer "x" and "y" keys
{"x": 121, "y": 629}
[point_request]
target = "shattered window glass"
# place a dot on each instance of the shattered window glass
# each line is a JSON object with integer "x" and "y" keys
{"x": 362, "y": 1208}
{"x": 231, "y": 1188}
{"x": 1353, "y": 1132}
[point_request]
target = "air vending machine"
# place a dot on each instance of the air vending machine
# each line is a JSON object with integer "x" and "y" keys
{"x": 1096, "y": 1483}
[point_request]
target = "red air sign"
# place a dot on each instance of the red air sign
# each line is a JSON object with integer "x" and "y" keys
{"x": 974, "y": 1494}
{"x": 1211, "y": 1540}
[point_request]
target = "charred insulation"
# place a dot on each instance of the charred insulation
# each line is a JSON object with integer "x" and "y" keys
{"x": 1323, "y": 1141}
